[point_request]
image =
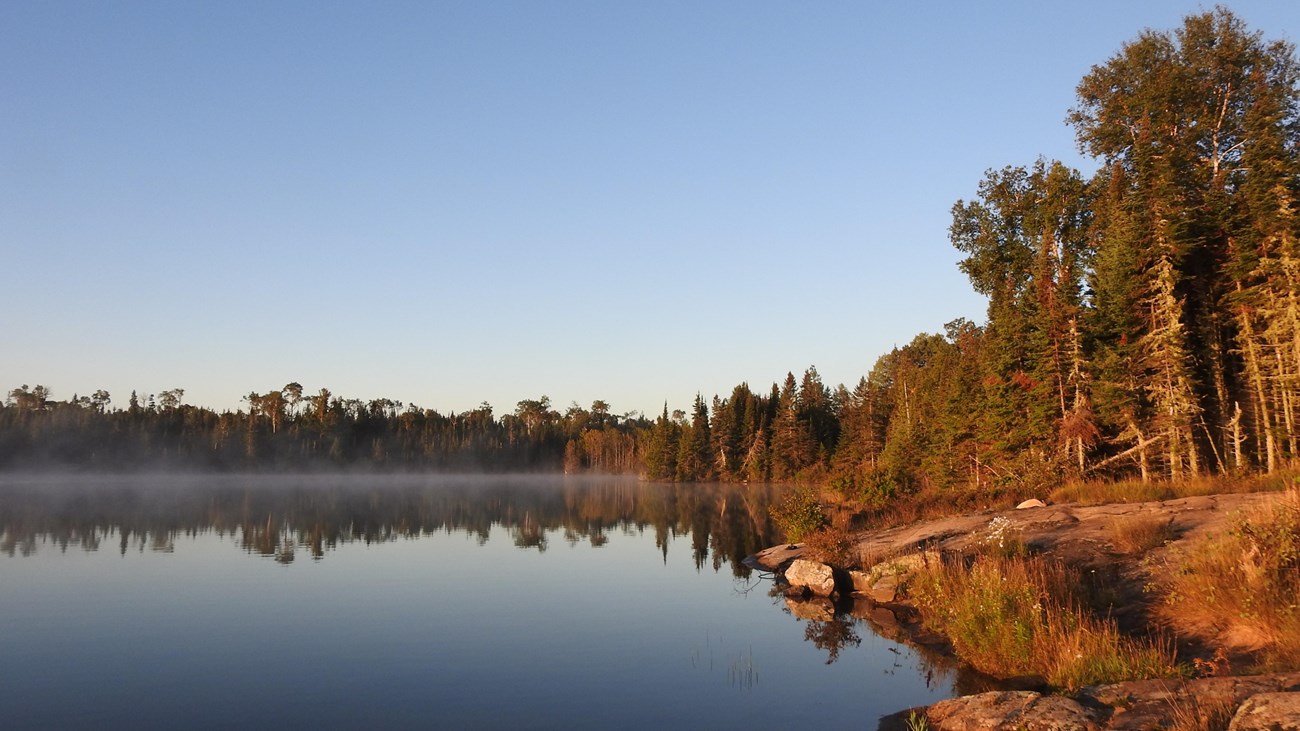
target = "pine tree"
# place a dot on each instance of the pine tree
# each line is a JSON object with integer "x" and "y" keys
{"x": 1197, "y": 133}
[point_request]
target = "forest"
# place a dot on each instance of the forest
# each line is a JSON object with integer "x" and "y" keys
{"x": 1143, "y": 322}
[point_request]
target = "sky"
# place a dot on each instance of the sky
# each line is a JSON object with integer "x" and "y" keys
{"x": 446, "y": 203}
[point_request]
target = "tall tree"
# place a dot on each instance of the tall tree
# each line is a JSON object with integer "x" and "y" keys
{"x": 1027, "y": 249}
{"x": 1184, "y": 123}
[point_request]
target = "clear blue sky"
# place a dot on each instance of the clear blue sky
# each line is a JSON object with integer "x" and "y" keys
{"x": 446, "y": 203}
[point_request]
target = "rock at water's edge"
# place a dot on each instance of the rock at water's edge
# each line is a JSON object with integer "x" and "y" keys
{"x": 885, "y": 590}
{"x": 1009, "y": 710}
{"x": 817, "y": 577}
{"x": 771, "y": 559}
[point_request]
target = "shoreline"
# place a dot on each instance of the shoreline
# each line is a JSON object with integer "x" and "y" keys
{"x": 1079, "y": 536}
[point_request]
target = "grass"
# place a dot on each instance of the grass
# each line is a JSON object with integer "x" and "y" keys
{"x": 1140, "y": 533}
{"x": 902, "y": 509}
{"x": 1242, "y": 589}
{"x": 1015, "y": 616}
{"x": 1190, "y": 713}
{"x": 1098, "y": 492}
{"x": 938, "y": 503}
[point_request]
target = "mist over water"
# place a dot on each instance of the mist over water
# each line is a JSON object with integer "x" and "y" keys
{"x": 418, "y": 601}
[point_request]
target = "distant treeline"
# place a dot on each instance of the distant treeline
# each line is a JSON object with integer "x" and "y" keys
{"x": 287, "y": 430}
{"x": 1143, "y": 322}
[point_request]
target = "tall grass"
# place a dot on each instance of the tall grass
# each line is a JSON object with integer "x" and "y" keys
{"x": 1097, "y": 492}
{"x": 1013, "y": 616}
{"x": 1189, "y": 713}
{"x": 1242, "y": 589}
{"x": 1141, "y": 533}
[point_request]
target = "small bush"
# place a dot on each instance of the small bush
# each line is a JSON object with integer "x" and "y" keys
{"x": 873, "y": 490}
{"x": 798, "y": 514}
{"x": 831, "y": 544}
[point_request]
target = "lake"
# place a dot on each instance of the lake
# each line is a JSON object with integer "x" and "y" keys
{"x": 419, "y": 602}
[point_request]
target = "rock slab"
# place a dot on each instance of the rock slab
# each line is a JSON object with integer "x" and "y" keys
{"x": 1268, "y": 712}
{"x": 1008, "y": 711}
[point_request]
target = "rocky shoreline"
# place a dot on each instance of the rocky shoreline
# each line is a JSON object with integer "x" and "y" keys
{"x": 1077, "y": 535}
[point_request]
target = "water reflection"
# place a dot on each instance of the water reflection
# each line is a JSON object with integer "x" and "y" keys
{"x": 613, "y": 621}
{"x": 831, "y": 635}
{"x": 282, "y": 518}
{"x": 832, "y": 627}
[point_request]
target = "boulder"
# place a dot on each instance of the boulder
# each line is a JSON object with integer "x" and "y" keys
{"x": 861, "y": 581}
{"x": 885, "y": 590}
{"x": 817, "y": 577}
{"x": 879, "y": 589}
{"x": 1268, "y": 712}
{"x": 1008, "y": 710}
{"x": 906, "y": 564}
{"x": 1031, "y": 503}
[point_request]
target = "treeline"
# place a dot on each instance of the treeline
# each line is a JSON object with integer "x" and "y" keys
{"x": 288, "y": 430}
{"x": 1144, "y": 321}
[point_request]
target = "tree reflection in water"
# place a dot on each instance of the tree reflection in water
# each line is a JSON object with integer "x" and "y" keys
{"x": 279, "y": 516}
{"x": 832, "y": 636}
{"x": 833, "y": 626}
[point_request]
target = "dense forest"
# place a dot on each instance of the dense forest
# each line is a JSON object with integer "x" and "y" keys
{"x": 1142, "y": 321}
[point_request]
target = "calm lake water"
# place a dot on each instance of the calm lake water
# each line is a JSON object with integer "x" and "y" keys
{"x": 420, "y": 602}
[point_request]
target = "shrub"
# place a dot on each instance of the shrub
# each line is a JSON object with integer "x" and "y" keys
{"x": 874, "y": 489}
{"x": 798, "y": 514}
{"x": 831, "y": 544}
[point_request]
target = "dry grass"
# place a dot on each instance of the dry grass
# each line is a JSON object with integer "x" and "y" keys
{"x": 1140, "y": 533}
{"x": 938, "y": 503}
{"x": 1190, "y": 713}
{"x": 1242, "y": 589}
{"x": 1099, "y": 492}
{"x": 1019, "y": 616}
